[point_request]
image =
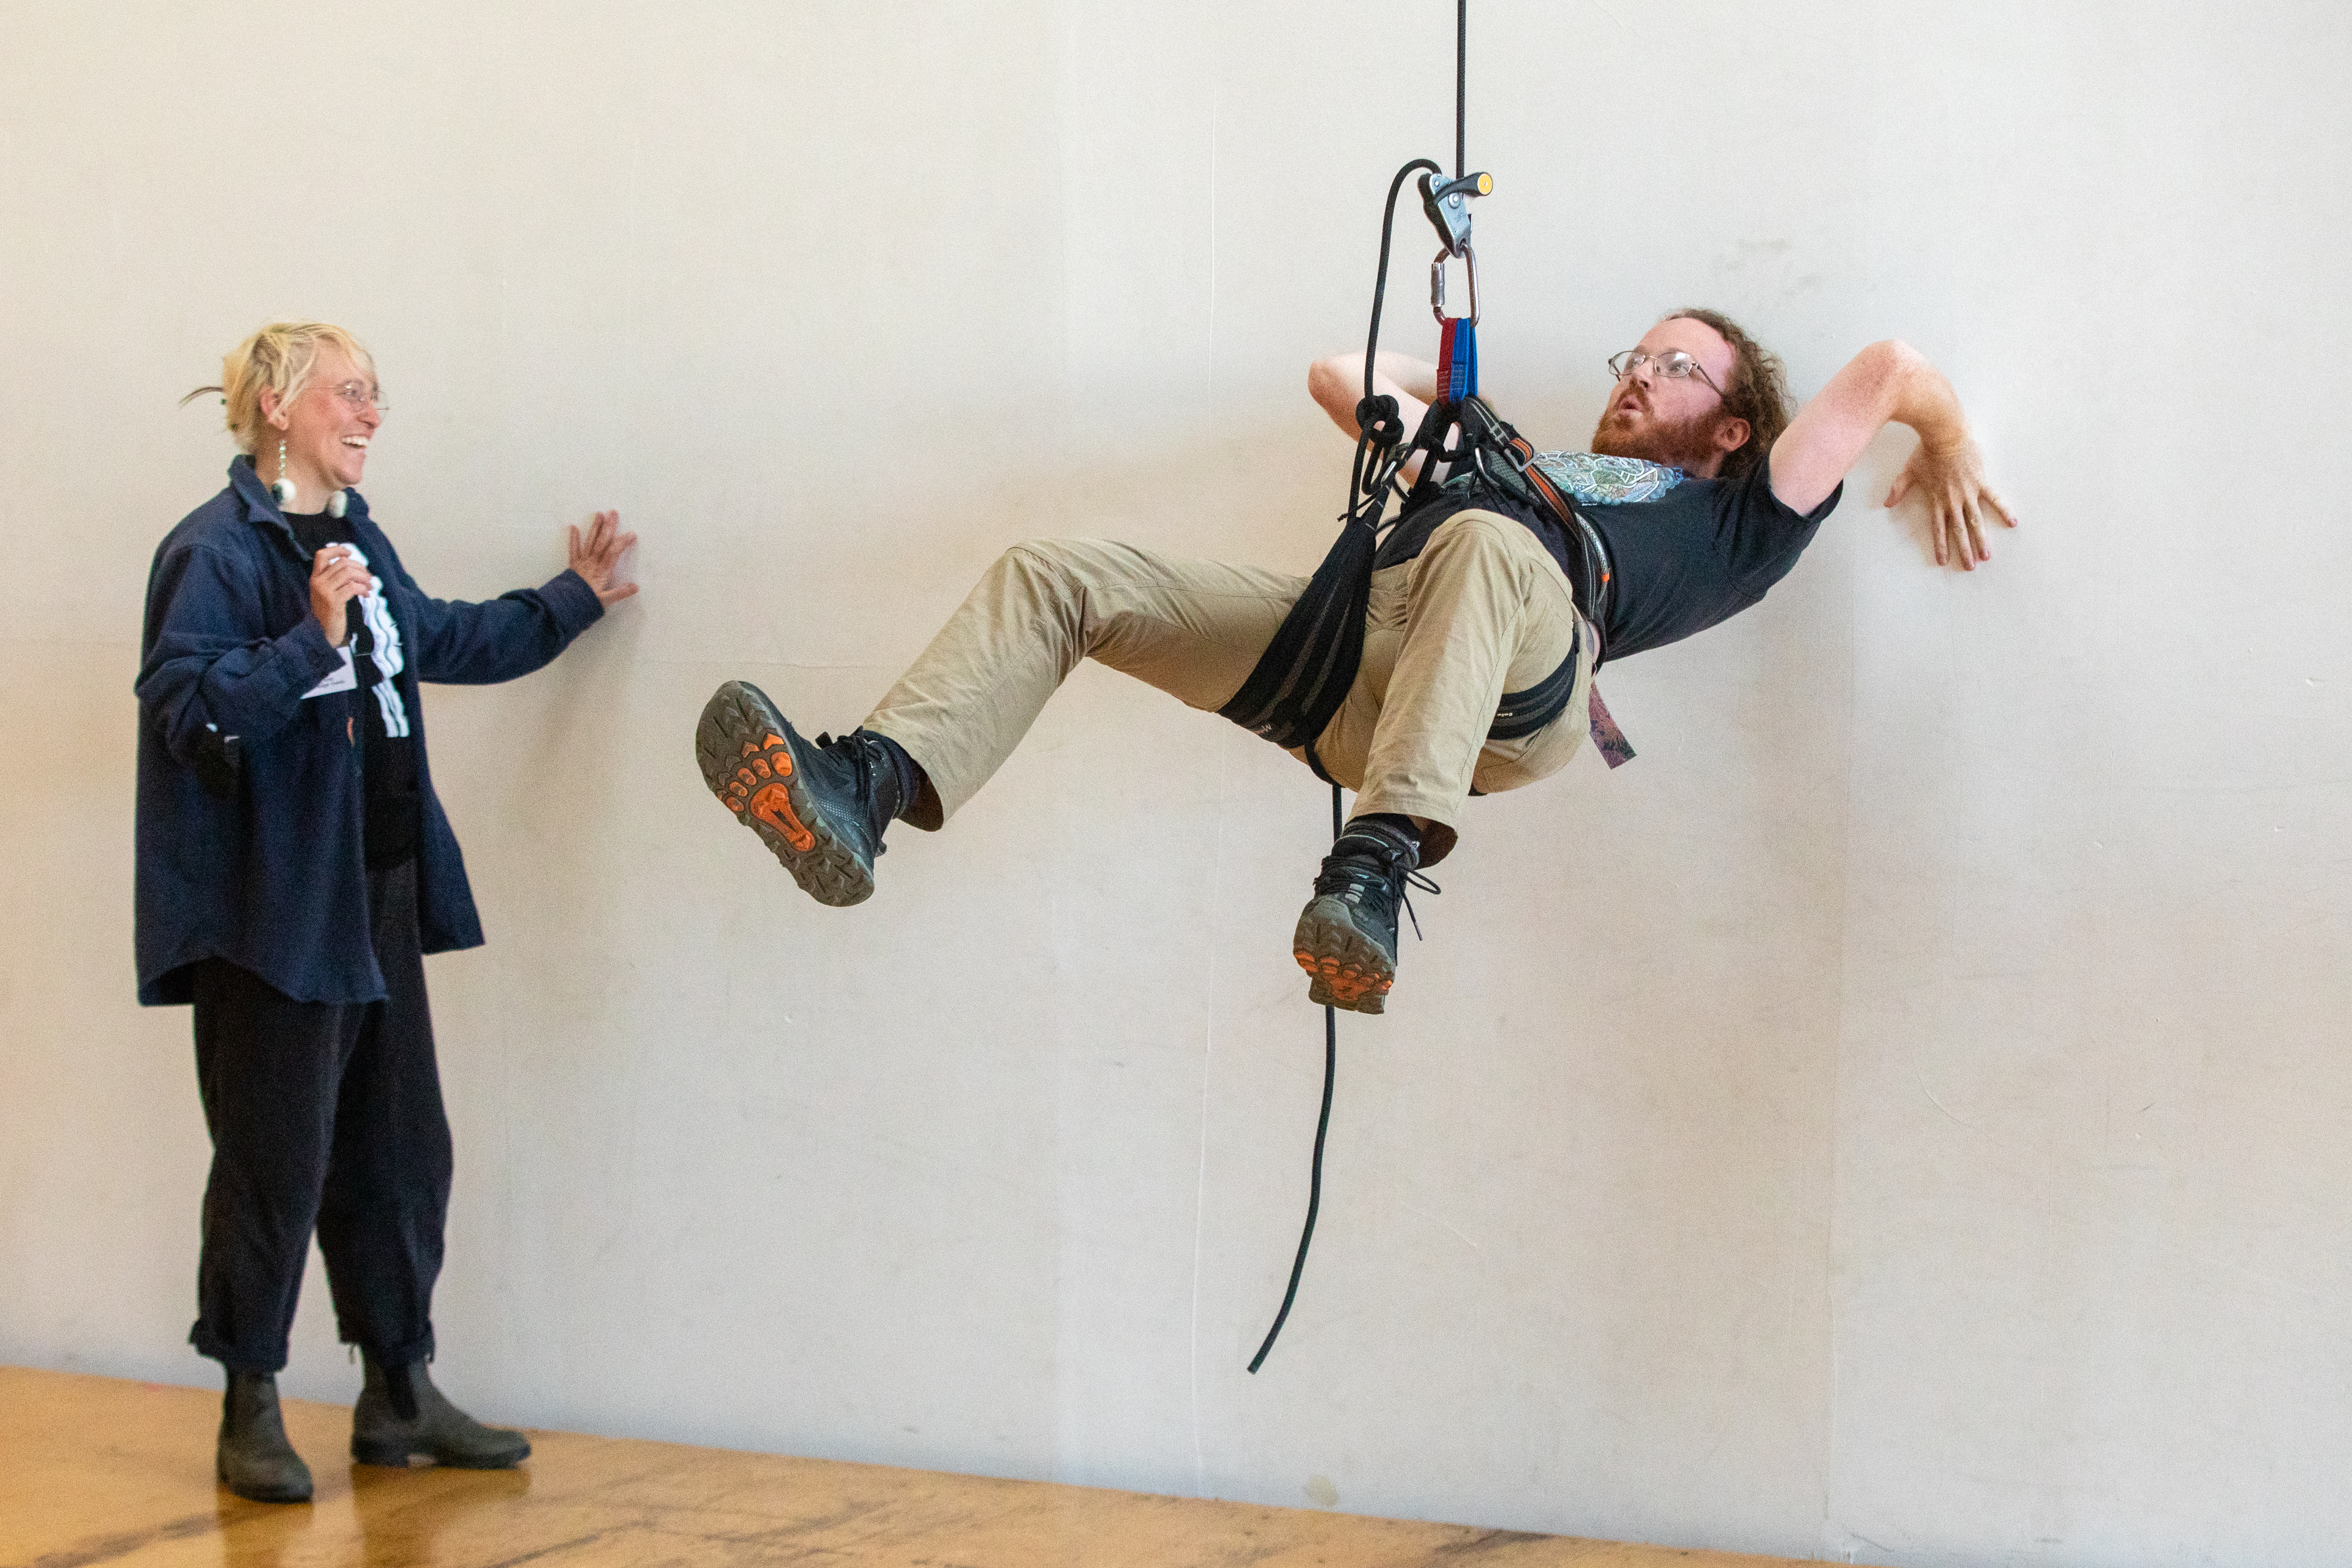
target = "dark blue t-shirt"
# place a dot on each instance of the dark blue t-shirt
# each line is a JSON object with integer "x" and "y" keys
{"x": 1697, "y": 555}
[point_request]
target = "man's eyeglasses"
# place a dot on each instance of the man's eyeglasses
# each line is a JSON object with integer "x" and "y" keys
{"x": 1673, "y": 365}
{"x": 359, "y": 395}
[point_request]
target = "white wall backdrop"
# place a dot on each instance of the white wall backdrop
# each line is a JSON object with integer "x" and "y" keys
{"x": 1901, "y": 1118}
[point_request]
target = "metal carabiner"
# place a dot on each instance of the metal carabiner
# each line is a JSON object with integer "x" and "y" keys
{"x": 1437, "y": 284}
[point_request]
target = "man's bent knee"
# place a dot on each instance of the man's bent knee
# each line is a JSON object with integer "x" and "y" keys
{"x": 1053, "y": 557}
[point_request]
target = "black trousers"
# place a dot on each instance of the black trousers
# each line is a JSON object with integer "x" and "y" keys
{"x": 324, "y": 1116}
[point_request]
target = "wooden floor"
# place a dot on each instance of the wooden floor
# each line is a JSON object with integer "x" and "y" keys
{"x": 97, "y": 1472}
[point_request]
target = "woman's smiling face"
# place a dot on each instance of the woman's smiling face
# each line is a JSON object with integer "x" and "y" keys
{"x": 327, "y": 428}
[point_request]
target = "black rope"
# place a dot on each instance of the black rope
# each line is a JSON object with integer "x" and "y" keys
{"x": 1322, "y": 1130}
{"x": 1381, "y": 430}
{"x": 1315, "y": 1182}
{"x": 1378, "y": 429}
{"x": 1461, "y": 83}
{"x": 1377, "y": 433}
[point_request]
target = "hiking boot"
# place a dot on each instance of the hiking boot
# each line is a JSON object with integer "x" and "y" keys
{"x": 254, "y": 1459}
{"x": 1347, "y": 935}
{"x": 400, "y": 1415}
{"x": 820, "y": 807}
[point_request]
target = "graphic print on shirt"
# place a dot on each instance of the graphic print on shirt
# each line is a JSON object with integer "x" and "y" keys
{"x": 386, "y": 654}
{"x": 1597, "y": 481}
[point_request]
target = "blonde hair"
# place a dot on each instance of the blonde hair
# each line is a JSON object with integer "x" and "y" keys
{"x": 281, "y": 356}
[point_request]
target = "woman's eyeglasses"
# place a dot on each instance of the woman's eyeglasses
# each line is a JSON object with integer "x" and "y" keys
{"x": 359, "y": 395}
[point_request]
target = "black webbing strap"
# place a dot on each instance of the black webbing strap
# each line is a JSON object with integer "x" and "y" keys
{"x": 1303, "y": 676}
{"x": 1305, "y": 673}
{"x": 1522, "y": 713}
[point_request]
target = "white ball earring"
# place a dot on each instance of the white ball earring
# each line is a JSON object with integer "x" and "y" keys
{"x": 335, "y": 504}
{"x": 282, "y": 487}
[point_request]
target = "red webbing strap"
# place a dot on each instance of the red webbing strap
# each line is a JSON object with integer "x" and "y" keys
{"x": 1457, "y": 359}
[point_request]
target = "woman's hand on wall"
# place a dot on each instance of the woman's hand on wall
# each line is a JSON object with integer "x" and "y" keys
{"x": 598, "y": 559}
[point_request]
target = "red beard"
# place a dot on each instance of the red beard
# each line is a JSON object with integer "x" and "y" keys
{"x": 1688, "y": 445}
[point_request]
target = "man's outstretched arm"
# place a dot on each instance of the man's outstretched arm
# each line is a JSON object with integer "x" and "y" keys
{"x": 1893, "y": 382}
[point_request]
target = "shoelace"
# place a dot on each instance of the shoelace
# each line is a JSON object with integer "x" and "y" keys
{"x": 1386, "y": 876}
{"x": 1415, "y": 880}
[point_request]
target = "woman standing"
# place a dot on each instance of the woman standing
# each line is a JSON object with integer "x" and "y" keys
{"x": 293, "y": 869}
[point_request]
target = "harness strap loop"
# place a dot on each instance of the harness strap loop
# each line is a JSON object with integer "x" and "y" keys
{"x": 1457, "y": 359}
{"x": 1522, "y": 713}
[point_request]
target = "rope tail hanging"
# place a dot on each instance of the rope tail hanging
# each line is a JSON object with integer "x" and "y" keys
{"x": 1322, "y": 1130}
{"x": 1299, "y": 682}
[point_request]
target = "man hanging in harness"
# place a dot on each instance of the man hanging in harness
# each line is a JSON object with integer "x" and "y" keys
{"x": 1507, "y": 579}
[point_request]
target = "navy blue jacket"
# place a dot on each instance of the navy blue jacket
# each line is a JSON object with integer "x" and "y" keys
{"x": 250, "y": 810}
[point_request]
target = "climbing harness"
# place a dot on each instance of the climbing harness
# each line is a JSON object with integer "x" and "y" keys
{"x": 1299, "y": 682}
{"x": 1305, "y": 673}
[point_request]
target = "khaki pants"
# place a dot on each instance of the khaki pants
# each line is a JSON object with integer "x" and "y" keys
{"x": 1483, "y": 610}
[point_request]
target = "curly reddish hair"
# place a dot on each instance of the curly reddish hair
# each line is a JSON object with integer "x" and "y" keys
{"x": 1759, "y": 392}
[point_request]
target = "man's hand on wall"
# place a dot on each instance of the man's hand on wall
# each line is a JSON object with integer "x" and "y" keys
{"x": 1952, "y": 481}
{"x": 598, "y": 561}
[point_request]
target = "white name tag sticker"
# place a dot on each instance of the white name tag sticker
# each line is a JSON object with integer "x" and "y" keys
{"x": 344, "y": 679}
